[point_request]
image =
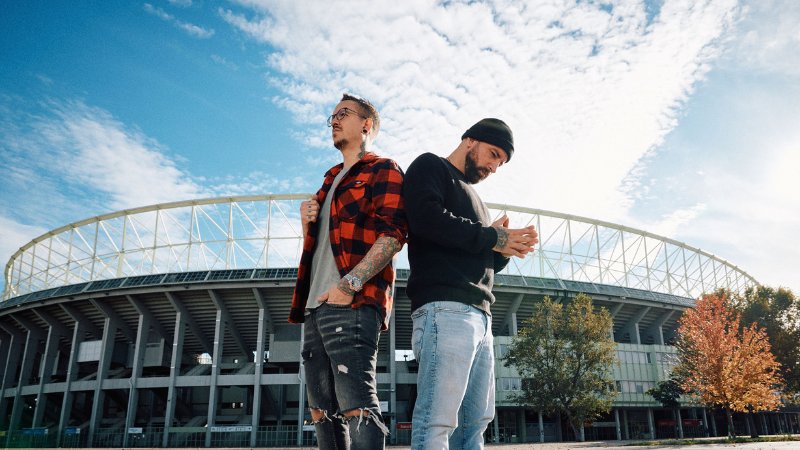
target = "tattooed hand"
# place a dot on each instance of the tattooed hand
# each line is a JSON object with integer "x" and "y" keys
{"x": 514, "y": 241}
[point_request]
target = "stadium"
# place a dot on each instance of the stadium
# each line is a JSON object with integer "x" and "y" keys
{"x": 165, "y": 326}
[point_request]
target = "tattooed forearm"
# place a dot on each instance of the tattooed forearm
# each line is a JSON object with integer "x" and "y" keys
{"x": 502, "y": 238}
{"x": 376, "y": 258}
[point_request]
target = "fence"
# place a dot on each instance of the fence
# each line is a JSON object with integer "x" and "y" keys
{"x": 150, "y": 437}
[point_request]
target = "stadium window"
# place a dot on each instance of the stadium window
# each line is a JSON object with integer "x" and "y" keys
{"x": 502, "y": 350}
{"x": 509, "y": 384}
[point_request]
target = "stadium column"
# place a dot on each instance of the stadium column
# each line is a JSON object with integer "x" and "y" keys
{"x": 713, "y": 422}
{"x": 625, "y": 433}
{"x": 216, "y": 360}
{"x": 705, "y": 422}
{"x": 263, "y": 319}
{"x": 16, "y": 340}
{"x": 617, "y": 425}
{"x": 54, "y": 333}
{"x": 78, "y": 332}
{"x": 657, "y": 328}
{"x": 28, "y": 355}
{"x": 541, "y": 427}
{"x": 651, "y": 423}
{"x": 392, "y": 379}
{"x": 496, "y": 426}
{"x": 301, "y": 390}
{"x": 138, "y": 360}
{"x": 5, "y": 350}
{"x": 613, "y": 312}
{"x": 174, "y": 371}
{"x": 106, "y": 350}
{"x": 633, "y": 325}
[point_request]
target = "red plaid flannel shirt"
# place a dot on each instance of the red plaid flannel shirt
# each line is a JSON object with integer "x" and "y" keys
{"x": 367, "y": 204}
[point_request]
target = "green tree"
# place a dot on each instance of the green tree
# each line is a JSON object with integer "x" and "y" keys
{"x": 777, "y": 311}
{"x": 565, "y": 355}
{"x": 668, "y": 393}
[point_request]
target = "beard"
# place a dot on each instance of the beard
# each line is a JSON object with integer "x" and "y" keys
{"x": 472, "y": 172}
{"x": 340, "y": 143}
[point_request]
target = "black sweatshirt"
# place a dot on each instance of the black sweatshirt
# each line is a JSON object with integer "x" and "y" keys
{"x": 450, "y": 236}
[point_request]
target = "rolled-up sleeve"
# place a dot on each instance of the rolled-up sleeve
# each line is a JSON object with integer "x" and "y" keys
{"x": 387, "y": 197}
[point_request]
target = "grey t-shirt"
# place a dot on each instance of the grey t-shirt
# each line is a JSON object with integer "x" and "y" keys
{"x": 324, "y": 272}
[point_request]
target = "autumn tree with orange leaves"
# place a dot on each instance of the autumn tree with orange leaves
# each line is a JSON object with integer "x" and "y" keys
{"x": 725, "y": 364}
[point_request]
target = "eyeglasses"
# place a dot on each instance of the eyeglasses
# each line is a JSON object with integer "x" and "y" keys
{"x": 341, "y": 114}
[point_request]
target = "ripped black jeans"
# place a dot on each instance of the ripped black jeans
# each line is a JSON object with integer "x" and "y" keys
{"x": 340, "y": 351}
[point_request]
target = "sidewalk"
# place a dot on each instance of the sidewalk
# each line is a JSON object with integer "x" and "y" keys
{"x": 595, "y": 445}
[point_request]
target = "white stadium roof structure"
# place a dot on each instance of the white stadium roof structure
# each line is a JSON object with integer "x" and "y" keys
{"x": 193, "y": 240}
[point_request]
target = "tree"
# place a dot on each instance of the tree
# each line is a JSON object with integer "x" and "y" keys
{"x": 668, "y": 393}
{"x": 725, "y": 364}
{"x": 565, "y": 355}
{"x": 778, "y": 312}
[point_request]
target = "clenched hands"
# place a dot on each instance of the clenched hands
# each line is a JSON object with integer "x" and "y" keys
{"x": 514, "y": 241}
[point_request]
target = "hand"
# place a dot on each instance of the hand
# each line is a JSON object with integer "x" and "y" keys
{"x": 514, "y": 241}
{"x": 309, "y": 210}
{"x": 501, "y": 221}
{"x": 335, "y": 296}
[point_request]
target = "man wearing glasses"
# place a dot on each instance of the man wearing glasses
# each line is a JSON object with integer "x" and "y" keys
{"x": 454, "y": 251}
{"x": 353, "y": 226}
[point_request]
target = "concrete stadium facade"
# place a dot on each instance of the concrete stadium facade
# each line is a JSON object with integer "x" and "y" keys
{"x": 166, "y": 326}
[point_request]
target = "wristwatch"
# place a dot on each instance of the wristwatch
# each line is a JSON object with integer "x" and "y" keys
{"x": 354, "y": 282}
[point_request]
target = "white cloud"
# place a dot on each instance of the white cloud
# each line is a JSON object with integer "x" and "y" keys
{"x": 671, "y": 223}
{"x": 194, "y": 30}
{"x": 256, "y": 183}
{"x": 101, "y": 153}
{"x": 224, "y": 62}
{"x": 771, "y": 41}
{"x": 190, "y": 28}
{"x": 583, "y": 88}
{"x": 14, "y": 235}
{"x": 158, "y": 12}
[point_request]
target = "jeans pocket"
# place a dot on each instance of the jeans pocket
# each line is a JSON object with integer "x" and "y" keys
{"x": 337, "y": 305}
{"x": 453, "y": 307}
{"x": 420, "y": 319}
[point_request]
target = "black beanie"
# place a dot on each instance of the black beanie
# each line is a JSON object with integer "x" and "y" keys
{"x": 494, "y": 132}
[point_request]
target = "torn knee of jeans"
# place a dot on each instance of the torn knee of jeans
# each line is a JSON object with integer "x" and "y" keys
{"x": 366, "y": 416}
{"x": 319, "y": 415}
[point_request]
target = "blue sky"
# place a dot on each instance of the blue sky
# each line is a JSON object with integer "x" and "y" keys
{"x": 678, "y": 117}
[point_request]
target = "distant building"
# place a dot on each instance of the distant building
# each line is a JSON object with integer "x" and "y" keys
{"x": 166, "y": 326}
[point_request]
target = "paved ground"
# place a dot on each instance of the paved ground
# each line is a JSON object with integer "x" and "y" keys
{"x": 607, "y": 445}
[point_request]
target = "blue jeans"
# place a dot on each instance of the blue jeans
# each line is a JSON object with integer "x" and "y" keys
{"x": 340, "y": 351}
{"x": 453, "y": 344}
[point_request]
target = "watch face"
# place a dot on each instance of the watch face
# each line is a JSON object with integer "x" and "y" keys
{"x": 355, "y": 283}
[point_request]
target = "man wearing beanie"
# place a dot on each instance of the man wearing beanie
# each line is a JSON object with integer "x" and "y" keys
{"x": 454, "y": 250}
